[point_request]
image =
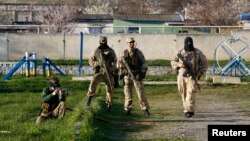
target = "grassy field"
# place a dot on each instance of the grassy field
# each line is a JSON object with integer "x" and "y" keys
{"x": 20, "y": 105}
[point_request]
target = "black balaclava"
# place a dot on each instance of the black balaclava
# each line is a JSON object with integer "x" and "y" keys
{"x": 188, "y": 44}
{"x": 103, "y": 46}
{"x": 103, "y": 43}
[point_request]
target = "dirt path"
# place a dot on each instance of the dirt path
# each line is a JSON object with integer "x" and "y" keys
{"x": 214, "y": 111}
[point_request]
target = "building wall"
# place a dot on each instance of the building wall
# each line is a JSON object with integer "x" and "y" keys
{"x": 154, "y": 46}
{"x": 85, "y": 27}
{"x": 6, "y": 17}
{"x": 144, "y": 26}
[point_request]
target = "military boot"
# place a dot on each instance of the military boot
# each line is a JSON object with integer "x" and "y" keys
{"x": 108, "y": 107}
{"x": 40, "y": 119}
{"x": 191, "y": 114}
{"x": 146, "y": 113}
{"x": 128, "y": 112}
{"x": 89, "y": 100}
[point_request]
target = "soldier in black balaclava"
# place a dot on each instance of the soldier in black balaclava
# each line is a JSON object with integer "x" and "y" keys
{"x": 188, "y": 44}
{"x": 187, "y": 84}
{"x": 103, "y": 43}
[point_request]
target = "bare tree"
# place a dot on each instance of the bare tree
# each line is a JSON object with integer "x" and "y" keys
{"x": 215, "y": 12}
{"x": 41, "y": 1}
{"x": 128, "y": 7}
{"x": 59, "y": 17}
{"x": 119, "y": 6}
{"x": 98, "y": 9}
{"x": 149, "y": 6}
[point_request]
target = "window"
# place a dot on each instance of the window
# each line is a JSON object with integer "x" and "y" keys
{"x": 95, "y": 30}
{"x": 133, "y": 30}
{"x": 183, "y": 31}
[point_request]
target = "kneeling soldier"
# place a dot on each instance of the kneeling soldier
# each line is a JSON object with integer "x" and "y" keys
{"x": 53, "y": 101}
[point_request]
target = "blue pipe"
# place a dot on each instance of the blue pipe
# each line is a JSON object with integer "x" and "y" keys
{"x": 81, "y": 52}
{"x": 52, "y": 64}
{"x": 27, "y": 65}
{"x": 14, "y": 69}
{"x": 44, "y": 66}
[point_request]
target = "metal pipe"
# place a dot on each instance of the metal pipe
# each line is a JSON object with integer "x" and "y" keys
{"x": 81, "y": 54}
{"x": 34, "y": 65}
{"x": 27, "y": 68}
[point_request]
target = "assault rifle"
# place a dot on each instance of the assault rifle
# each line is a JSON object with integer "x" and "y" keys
{"x": 127, "y": 67}
{"x": 105, "y": 70}
{"x": 189, "y": 70}
{"x": 62, "y": 92}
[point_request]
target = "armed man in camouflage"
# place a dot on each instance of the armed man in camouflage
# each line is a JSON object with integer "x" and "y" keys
{"x": 53, "y": 101}
{"x": 133, "y": 67}
{"x": 190, "y": 64}
{"x": 103, "y": 60}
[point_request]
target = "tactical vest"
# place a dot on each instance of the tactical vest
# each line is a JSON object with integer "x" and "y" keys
{"x": 107, "y": 55}
{"x": 108, "y": 58}
{"x": 191, "y": 59}
{"x": 133, "y": 60}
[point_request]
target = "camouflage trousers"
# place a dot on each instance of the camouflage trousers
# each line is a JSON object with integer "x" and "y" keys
{"x": 187, "y": 88}
{"x": 99, "y": 77}
{"x": 58, "y": 112}
{"x": 139, "y": 88}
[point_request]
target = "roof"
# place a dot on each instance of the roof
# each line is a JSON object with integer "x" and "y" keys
{"x": 151, "y": 17}
{"x": 94, "y": 17}
{"x": 172, "y": 18}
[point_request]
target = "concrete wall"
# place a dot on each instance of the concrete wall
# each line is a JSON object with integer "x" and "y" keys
{"x": 154, "y": 46}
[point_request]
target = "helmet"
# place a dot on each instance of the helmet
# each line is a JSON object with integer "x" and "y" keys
{"x": 54, "y": 81}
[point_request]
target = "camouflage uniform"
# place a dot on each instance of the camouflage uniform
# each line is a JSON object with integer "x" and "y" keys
{"x": 109, "y": 58}
{"x": 53, "y": 105}
{"x": 186, "y": 85}
{"x": 137, "y": 64}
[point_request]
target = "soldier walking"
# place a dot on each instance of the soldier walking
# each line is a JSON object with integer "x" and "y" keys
{"x": 103, "y": 60}
{"x": 190, "y": 64}
{"x": 133, "y": 66}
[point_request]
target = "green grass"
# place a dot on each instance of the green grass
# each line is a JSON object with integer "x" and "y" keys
{"x": 158, "y": 63}
{"x": 20, "y": 104}
{"x": 164, "y": 77}
{"x": 19, "y": 112}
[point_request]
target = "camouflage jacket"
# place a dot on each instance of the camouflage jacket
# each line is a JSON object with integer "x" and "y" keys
{"x": 136, "y": 62}
{"x": 52, "y": 100}
{"x": 196, "y": 59}
{"x": 109, "y": 58}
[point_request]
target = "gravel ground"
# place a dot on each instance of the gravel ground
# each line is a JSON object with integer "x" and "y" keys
{"x": 215, "y": 111}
